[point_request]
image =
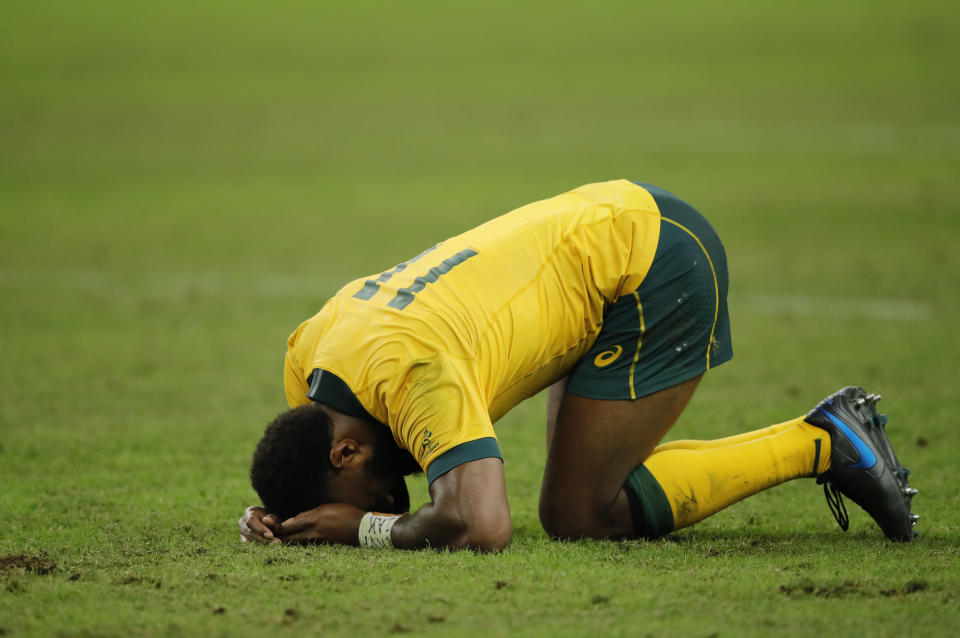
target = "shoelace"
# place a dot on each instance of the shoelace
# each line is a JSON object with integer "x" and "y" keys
{"x": 837, "y": 507}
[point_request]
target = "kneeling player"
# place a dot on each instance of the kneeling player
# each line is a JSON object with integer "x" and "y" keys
{"x": 614, "y": 295}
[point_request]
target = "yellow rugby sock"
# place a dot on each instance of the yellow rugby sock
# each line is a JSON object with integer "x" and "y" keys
{"x": 685, "y": 444}
{"x": 699, "y": 478}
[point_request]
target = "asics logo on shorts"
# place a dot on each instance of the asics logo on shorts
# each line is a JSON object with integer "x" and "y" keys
{"x": 607, "y": 357}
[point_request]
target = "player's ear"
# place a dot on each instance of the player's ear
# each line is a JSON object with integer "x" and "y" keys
{"x": 343, "y": 453}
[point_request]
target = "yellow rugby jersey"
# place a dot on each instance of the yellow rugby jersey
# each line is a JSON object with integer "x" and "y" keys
{"x": 441, "y": 346}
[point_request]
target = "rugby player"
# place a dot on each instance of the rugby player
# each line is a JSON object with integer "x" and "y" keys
{"x": 613, "y": 295}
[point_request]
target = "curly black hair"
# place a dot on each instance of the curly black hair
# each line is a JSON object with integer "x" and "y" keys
{"x": 292, "y": 461}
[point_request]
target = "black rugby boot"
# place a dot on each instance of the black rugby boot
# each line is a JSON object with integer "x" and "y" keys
{"x": 863, "y": 466}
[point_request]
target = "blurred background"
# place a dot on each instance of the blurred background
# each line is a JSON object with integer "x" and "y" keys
{"x": 182, "y": 183}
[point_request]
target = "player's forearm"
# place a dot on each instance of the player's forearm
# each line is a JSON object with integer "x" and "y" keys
{"x": 469, "y": 510}
{"x": 434, "y": 526}
{"x": 430, "y": 527}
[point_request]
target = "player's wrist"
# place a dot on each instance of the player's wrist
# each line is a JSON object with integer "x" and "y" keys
{"x": 375, "y": 529}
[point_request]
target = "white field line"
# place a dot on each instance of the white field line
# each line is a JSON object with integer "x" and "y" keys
{"x": 831, "y": 307}
{"x": 172, "y": 283}
{"x": 291, "y": 285}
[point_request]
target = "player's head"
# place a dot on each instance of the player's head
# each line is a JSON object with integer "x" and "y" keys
{"x": 303, "y": 461}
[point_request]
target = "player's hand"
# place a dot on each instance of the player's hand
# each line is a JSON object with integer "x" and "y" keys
{"x": 258, "y": 525}
{"x": 331, "y": 523}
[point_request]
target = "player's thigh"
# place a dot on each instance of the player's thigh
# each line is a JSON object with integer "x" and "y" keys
{"x": 597, "y": 443}
{"x": 554, "y": 398}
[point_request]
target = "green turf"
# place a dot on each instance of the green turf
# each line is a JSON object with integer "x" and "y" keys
{"x": 181, "y": 183}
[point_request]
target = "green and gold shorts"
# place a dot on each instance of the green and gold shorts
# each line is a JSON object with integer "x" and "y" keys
{"x": 675, "y": 325}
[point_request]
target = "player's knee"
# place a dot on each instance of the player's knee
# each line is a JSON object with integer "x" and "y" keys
{"x": 555, "y": 521}
{"x": 565, "y": 520}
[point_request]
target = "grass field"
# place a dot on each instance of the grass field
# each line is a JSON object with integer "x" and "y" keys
{"x": 182, "y": 183}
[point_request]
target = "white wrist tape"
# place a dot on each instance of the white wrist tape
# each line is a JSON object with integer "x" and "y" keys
{"x": 375, "y": 529}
